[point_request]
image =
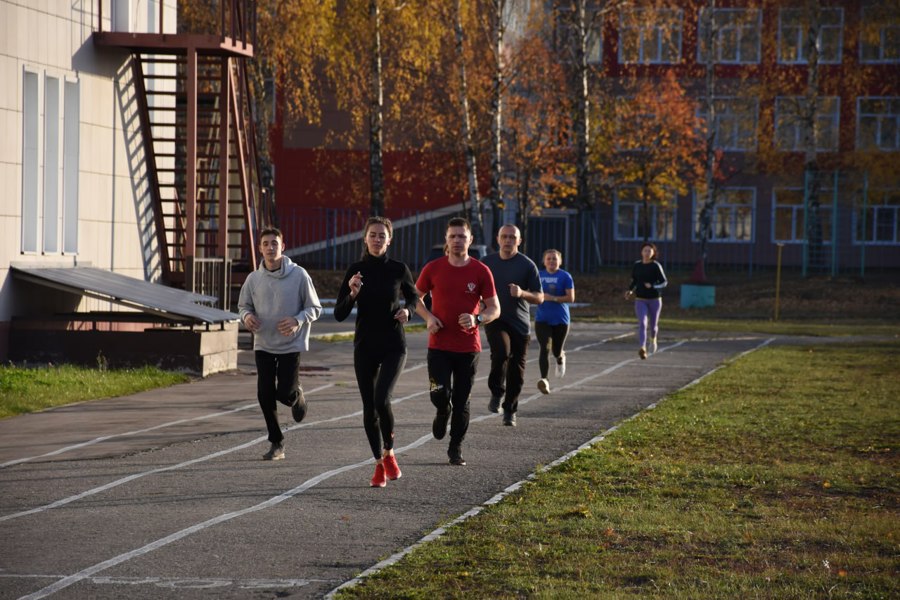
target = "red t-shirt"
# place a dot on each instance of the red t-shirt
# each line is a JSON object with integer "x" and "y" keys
{"x": 454, "y": 291}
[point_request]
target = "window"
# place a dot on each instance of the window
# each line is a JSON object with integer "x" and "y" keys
{"x": 71, "y": 140}
{"x": 50, "y": 217}
{"x": 880, "y": 35}
{"x": 793, "y": 30}
{"x": 735, "y": 36}
{"x": 789, "y": 215}
{"x": 877, "y": 220}
{"x": 732, "y": 216}
{"x": 30, "y": 153}
{"x": 50, "y": 163}
{"x": 650, "y": 36}
{"x": 878, "y": 123}
{"x": 594, "y": 53}
{"x": 735, "y": 123}
{"x": 791, "y": 118}
{"x": 634, "y": 222}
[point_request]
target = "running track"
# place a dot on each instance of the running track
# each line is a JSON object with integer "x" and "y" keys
{"x": 162, "y": 494}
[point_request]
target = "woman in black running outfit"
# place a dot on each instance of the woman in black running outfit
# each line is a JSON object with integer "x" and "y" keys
{"x": 379, "y": 344}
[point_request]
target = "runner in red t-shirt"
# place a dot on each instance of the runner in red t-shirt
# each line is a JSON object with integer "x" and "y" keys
{"x": 458, "y": 284}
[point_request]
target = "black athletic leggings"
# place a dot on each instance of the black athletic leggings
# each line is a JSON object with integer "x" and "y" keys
{"x": 548, "y": 335}
{"x": 376, "y": 375}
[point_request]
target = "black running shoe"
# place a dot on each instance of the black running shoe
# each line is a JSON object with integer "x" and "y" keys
{"x": 509, "y": 419}
{"x": 298, "y": 408}
{"x": 439, "y": 425}
{"x": 494, "y": 404}
{"x": 276, "y": 452}
{"x": 455, "y": 454}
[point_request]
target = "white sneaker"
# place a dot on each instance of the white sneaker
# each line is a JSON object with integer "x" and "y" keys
{"x": 642, "y": 353}
{"x": 652, "y": 345}
{"x": 544, "y": 386}
{"x": 561, "y": 366}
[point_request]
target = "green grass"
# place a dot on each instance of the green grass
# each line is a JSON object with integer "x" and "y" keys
{"x": 775, "y": 477}
{"x": 30, "y": 389}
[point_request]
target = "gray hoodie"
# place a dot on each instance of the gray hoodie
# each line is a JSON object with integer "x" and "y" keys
{"x": 274, "y": 295}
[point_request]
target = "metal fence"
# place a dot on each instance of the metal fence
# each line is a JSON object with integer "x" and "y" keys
{"x": 331, "y": 239}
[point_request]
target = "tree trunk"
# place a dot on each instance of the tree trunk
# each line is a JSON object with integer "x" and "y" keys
{"x": 812, "y": 185}
{"x": 709, "y": 204}
{"x": 497, "y": 110}
{"x": 524, "y": 192}
{"x": 376, "y": 116}
{"x": 469, "y": 150}
{"x": 645, "y": 216}
{"x": 582, "y": 112}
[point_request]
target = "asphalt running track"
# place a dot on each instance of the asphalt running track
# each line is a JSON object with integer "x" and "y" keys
{"x": 163, "y": 494}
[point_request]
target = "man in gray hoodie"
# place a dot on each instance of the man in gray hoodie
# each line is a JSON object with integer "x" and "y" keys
{"x": 278, "y": 303}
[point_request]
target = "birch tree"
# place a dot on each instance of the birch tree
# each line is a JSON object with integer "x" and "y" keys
{"x": 474, "y": 198}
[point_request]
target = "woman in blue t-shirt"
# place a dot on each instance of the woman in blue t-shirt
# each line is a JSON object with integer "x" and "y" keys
{"x": 551, "y": 323}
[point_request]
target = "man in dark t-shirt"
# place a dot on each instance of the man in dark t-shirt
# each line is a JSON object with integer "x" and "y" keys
{"x": 518, "y": 285}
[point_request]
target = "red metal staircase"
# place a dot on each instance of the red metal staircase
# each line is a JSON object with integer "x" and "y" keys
{"x": 193, "y": 101}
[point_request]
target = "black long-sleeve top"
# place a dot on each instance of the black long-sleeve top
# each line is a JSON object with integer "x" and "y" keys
{"x": 652, "y": 273}
{"x": 385, "y": 282}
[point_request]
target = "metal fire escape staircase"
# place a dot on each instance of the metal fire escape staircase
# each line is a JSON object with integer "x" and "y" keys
{"x": 193, "y": 102}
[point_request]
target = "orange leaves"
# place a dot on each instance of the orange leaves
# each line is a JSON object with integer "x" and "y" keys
{"x": 652, "y": 139}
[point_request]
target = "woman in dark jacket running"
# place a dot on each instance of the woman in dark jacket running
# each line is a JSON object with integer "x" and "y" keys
{"x": 647, "y": 281}
{"x": 379, "y": 344}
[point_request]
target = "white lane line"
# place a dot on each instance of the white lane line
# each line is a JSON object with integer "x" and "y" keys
{"x": 104, "y": 438}
{"x": 129, "y": 478}
{"x": 187, "y": 463}
{"x": 135, "y": 476}
{"x": 140, "y": 431}
{"x": 395, "y": 558}
{"x": 116, "y": 560}
{"x": 580, "y": 382}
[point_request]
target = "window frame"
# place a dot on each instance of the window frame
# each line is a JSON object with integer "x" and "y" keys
{"x": 635, "y": 22}
{"x": 833, "y": 119}
{"x": 71, "y": 165}
{"x": 50, "y": 168}
{"x": 657, "y": 211}
{"x": 882, "y": 32}
{"x": 801, "y": 58}
{"x": 594, "y": 49}
{"x": 729, "y": 101}
{"x": 733, "y": 209}
{"x": 718, "y": 31}
{"x": 798, "y": 214}
{"x": 32, "y": 151}
{"x": 871, "y": 224}
{"x": 894, "y": 102}
{"x": 52, "y": 164}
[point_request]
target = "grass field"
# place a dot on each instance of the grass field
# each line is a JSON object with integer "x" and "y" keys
{"x": 775, "y": 477}
{"x": 29, "y": 389}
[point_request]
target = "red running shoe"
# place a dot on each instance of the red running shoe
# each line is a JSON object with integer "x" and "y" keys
{"x": 378, "y": 479}
{"x": 391, "y": 468}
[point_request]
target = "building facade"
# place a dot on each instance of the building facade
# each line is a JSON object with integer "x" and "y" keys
{"x": 761, "y": 108}
{"x": 109, "y": 150}
{"x": 70, "y": 195}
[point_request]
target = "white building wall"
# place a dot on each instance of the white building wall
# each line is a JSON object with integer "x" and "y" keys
{"x": 53, "y": 37}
